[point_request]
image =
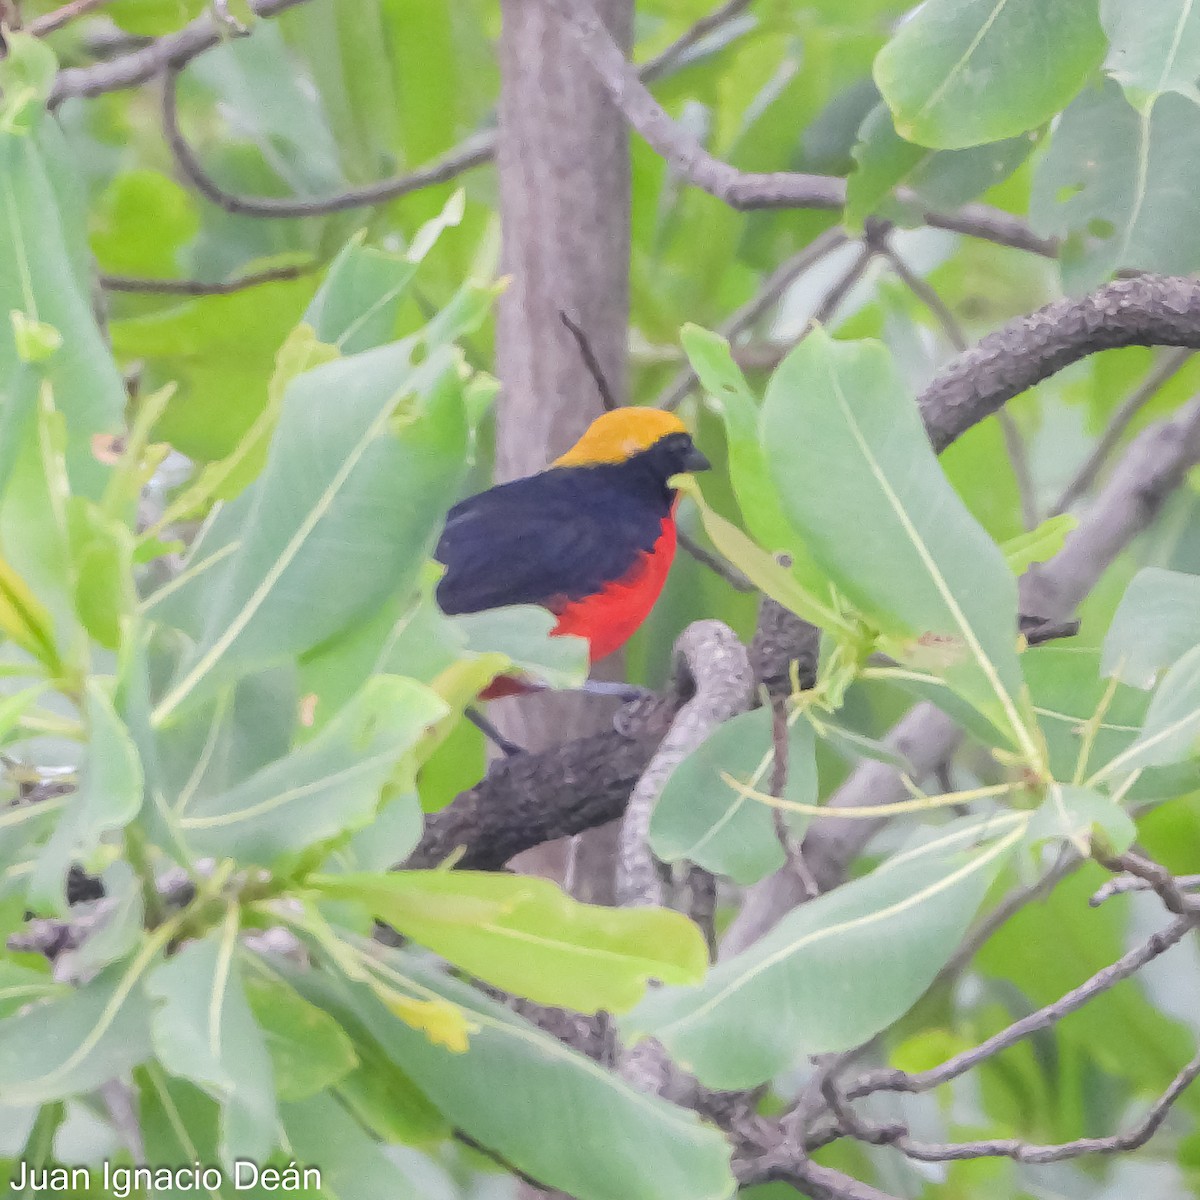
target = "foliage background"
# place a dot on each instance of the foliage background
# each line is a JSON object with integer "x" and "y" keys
{"x": 1077, "y": 118}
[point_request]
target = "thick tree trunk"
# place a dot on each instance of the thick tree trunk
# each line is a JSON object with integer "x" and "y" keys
{"x": 563, "y": 163}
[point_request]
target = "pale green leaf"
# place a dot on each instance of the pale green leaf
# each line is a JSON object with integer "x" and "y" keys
{"x": 1156, "y": 623}
{"x": 799, "y": 990}
{"x": 1037, "y": 545}
{"x": 76, "y": 1042}
{"x": 1122, "y": 187}
{"x": 886, "y": 525}
{"x": 204, "y": 1031}
{"x": 325, "y": 787}
{"x": 638, "y": 1147}
{"x": 1153, "y": 47}
{"x": 109, "y": 797}
{"x": 961, "y": 72}
{"x": 701, "y": 818}
{"x": 364, "y": 463}
{"x": 527, "y": 936}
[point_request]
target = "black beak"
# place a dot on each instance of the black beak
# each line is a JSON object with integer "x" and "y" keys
{"x": 693, "y": 460}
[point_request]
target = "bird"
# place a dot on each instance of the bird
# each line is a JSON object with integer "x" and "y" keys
{"x": 591, "y": 538}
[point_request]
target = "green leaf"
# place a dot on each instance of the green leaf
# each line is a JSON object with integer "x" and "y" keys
{"x": 352, "y": 1165}
{"x": 141, "y": 222}
{"x": 21, "y": 986}
{"x": 102, "y": 566}
{"x": 1037, "y": 545}
{"x": 204, "y": 1031}
{"x": 638, "y": 1147}
{"x": 27, "y": 74}
{"x": 1153, "y": 48}
{"x": 309, "y": 1051}
{"x": 1067, "y": 691}
{"x": 941, "y": 178}
{"x": 1122, "y": 187}
{"x": 43, "y": 279}
{"x": 109, "y": 797}
{"x": 522, "y": 634}
{"x": 357, "y": 306}
{"x": 1156, "y": 623}
{"x": 701, "y": 818}
{"x": 75, "y": 1043}
{"x": 1076, "y": 814}
{"x": 757, "y": 565}
{"x": 895, "y": 927}
{"x": 1172, "y": 726}
{"x": 120, "y": 929}
{"x": 324, "y": 787}
{"x": 219, "y": 350}
{"x": 762, "y": 512}
{"x": 179, "y": 1123}
{"x": 527, "y": 936}
{"x": 24, "y": 621}
{"x": 891, "y": 532}
{"x": 150, "y": 18}
{"x": 365, "y": 461}
{"x": 961, "y": 72}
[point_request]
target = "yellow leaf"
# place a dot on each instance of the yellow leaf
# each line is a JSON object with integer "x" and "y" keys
{"x": 443, "y": 1023}
{"x": 24, "y": 620}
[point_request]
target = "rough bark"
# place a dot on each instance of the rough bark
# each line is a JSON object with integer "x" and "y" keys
{"x": 563, "y": 167}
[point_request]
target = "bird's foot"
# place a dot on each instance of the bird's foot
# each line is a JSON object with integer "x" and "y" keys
{"x": 493, "y": 734}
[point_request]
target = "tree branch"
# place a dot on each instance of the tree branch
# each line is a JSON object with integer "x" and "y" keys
{"x": 1164, "y": 370}
{"x": 1026, "y": 1152}
{"x": 711, "y": 657}
{"x": 52, "y": 21}
{"x": 744, "y": 190}
{"x": 470, "y": 153}
{"x": 890, "y": 1079}
{"x": 171, "y": 50}
{"x": 1149, "y": 310}
{"x": 769, "y": 294}
{"x": 668, "y": 59}
{"x": 529, "y": 799}
{"x": 199, "y": 287}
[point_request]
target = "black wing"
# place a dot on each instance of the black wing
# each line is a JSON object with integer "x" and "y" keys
{"x": 562, "y": 534}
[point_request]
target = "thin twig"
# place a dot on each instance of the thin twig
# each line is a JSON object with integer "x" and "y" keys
{"x": 1133, "y": 883}
{"x": 1158, "y": 879}
{"x": 928, "y": 296}
{"x": 201, "y": 287}
{"x": 607, "y": 399}
{"x": 837, "y": 294}
{"x": 667, "y": 59}
{"x": 727, "y": 571}
{"x": 51, "y": 21}
{"x": 1167, "y": 366}
{"x": 741, "y": 190}
{"x": 470, "y": 153}
{"x": 474, "y": 151}
{"x": 1026, "y": 1152}
{"x": 149, "y": 61}
{"x": 769, "y": 294}
{"x": 889, "y": 1079}
{"x": 1018, "y": 458}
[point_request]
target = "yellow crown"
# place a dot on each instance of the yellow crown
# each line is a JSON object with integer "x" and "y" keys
{"x": 619, "y": 435}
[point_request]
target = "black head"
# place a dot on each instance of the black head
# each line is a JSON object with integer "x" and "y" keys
{"x": 674, "y": 454}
